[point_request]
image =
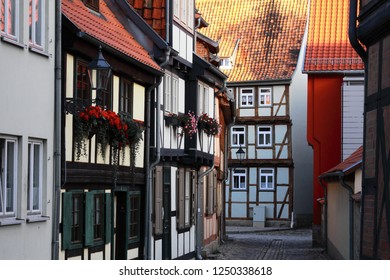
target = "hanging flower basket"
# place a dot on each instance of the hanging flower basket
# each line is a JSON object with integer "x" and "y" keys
{"x": 110, "y": 128}
{"x": 209, "y": 125}
{"x": 188, "y": 124}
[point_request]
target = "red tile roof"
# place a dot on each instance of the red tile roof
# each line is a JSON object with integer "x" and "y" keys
{"x": 107, "y": 29}
{"x": 349, "y": 165}
{"x": 269, "y": 33}
{"x": 328, "y": 47}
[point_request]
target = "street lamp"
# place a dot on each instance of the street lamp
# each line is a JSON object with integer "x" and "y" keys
{"x": 99, "y": 72}
{"x": 240, "y": 153}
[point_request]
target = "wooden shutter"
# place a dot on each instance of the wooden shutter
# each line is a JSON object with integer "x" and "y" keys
{"x": 194, "y": 197}
{"x": 209, "y": 191}
{"x": 158, "y": 203}
{"x": 215, "y": 181}
{"x": 66, "y": 220}
{"x": 107, "y": 218}
{"x": 181, "y": 197}
{"x": 89, "y": 218}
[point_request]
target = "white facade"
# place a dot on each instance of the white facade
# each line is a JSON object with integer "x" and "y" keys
{"x": 26, "y": 131}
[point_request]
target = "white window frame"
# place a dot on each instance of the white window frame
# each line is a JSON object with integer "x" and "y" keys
{"x": 167, "y": 92}
{"x": 16, "y": 13}
{"x": 226, "y": 63}
{"x": 183, "y": 11}
{"x": 267, "y": 173}
{"x": 42, "y": 16}
{"x": 263, "y": 135}
{"x": 263, "y": 94}
{"x": 4, "y": 203}
{"x": 247, "y": 93}
{"x": 239, "y": 173}
{"x": 204, "y": 100}
{"x": 236, "y": 134}
{"x": 175, "y": 94}
{"x": 31, "y": 196}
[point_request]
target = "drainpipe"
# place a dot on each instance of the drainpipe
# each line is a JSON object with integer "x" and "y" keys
{"x": 151, "y": 165}
{"x": 57, "y": 134}
{"x": 326, "y": 212}
{"x": 352, "y": 32}
{"x": 199, "y": 216}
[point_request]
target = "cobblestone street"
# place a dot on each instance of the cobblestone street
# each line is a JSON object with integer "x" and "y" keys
{"x": 270, "y": 245}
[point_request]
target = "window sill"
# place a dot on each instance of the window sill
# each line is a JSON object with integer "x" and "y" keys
{"x": 11, "y": 41}
{"x": 37, "y": 219}
{"x": 39, "y": 51}
{"x": 10, "y": 222}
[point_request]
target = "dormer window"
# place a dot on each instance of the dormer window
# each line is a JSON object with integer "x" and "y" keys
{"x": 92, "y": 4}
{"x": 226, "y": 63}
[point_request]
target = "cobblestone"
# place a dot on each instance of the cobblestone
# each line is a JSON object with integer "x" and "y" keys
{"x": 269, "y": 244}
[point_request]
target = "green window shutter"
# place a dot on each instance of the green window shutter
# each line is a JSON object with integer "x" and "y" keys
{"x": 158, "y": 202}
{"x": 108, "y": 224}
{"x": 89, "y": 218}
{"x": 66, "y": 220}
{"x": 181, "y": 197}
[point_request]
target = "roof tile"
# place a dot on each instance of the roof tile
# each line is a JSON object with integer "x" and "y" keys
{"x": 268, "y": 33}
{"x": 107, "y": 29}
{"x": 328, "y": 47}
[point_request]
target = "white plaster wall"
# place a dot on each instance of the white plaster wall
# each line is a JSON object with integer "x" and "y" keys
{"x": 302, "y": 153}
{"x": 27, "y": 110}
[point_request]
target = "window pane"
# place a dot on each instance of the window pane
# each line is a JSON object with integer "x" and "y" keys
{"x": 11, "y": 17}
{"x": 10, "y": 177}
{"x": 36, "y": 177}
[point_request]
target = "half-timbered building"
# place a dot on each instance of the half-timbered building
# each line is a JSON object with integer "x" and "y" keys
{"x": 259, "y": 46}
{"x": 103, "y": 192}
{"x": 371, "y": 28}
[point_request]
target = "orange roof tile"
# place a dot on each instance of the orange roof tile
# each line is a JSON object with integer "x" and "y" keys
{"x": 269, "y": 33}
{"x": 107, "y": 29}
{"x": 328, "y": 47}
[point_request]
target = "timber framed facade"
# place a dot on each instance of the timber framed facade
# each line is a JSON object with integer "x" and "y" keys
{"x": 262, "y": 184}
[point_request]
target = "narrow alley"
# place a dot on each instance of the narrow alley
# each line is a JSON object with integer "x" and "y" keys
{"x": 280, "y": 244}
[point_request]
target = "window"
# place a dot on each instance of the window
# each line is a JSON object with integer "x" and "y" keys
{"x": 266, "y": 179}
{"x": 134, "y": 216}
{"x": 86, "y": 219}
{"x": 35, "y": 170}
{"x": 9, "y": 18}
{"x": 83, "y": 85}
{"x": 204, "y": 99}
{"x": 226, "y": 63}
{"x": 37, "y": 23}
{"x": 265, "y": 97}
{"x": 184, "y": 13}
{"x": 167, "y": 92}
{"x": 92, "y": 4}
{"x": 185, "y": 185}
{"x": 104, "y": 99}
{"x": 171, "y": 93}
{"x": 247, "y": 97}
{"x": 238, "y": 136}
{"x": 98, "y": 219}
{"x": 8, "y": 177}
{"x": 264, "y": 136}
{"x": 239, "y": 179}
{"x": 126, "y": 97}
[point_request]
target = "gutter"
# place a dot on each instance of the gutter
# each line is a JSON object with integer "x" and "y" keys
{"x": 57, "y": 134}
{"x": 352, "y": 34}
{"x": 340, "y": 176}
